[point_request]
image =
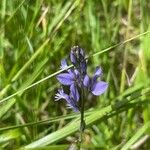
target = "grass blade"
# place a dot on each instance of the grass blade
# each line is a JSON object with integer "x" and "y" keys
{"x": 136, "y": 136}
{"x": 6, "y": 106}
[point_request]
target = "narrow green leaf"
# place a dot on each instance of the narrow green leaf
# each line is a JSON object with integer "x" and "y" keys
{"x": 6, "y": 107}
{"x": 34, "y": 75}
{"x": 40, "y": 49}
{"x": 136, "y": 136}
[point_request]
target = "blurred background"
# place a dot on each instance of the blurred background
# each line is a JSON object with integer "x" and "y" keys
{"x": 36, "y": 35}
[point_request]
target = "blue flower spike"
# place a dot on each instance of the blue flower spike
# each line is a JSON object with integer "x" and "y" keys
{"x": 78, "y": 80}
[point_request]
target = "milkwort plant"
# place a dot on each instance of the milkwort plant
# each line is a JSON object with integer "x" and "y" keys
{"x": 79, "y": 81}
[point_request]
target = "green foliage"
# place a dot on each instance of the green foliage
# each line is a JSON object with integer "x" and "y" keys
{"x": 36, "y": 35}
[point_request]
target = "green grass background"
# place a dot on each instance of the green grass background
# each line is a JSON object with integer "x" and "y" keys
{"x": 36, "y": 35}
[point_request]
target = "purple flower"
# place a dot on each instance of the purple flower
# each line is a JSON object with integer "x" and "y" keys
{"x": 94, "y": 86}
{"x": 77, "y": 57}
{"x": 66, "y": 78}
{"x": 70, "y": 77}
{"x": 63, "y": 64}
{"x": 71, "y": 99}
{"x": 77, "y": 79}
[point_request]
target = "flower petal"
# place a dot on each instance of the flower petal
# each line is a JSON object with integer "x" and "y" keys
{"x": 61, "y": 95}
{"x": 98, "y": 72}
{"x": 82, "y": 52}
{"x": 99, "y": 88}
{"x": 76, "y": 72}
{"x": 65, "y": 78}
{"x": 83, "y": 67}
{"x": 63, "y": 64}
{"x": 86, "y": 81}
{"x": 73, "y": 106}
{"x": 74, "y": 92}
{"x": 73, "y": 57}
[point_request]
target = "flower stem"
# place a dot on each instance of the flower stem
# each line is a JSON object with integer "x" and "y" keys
{"x": 82, "y": 123}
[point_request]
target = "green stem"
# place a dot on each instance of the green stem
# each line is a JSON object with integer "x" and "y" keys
{"x": 82, "y": 123}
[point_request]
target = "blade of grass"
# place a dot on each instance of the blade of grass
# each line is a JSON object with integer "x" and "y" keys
{"x": 136, "y": 136}
{"x": 6, "y": 107}
{"x": 54, "y": 119}
{"x": 34, "y": 75}
{"x": 37, "y": 52}
{"x": 51, "y": 120}
{"x": 66, "y": 14}
{"x": 123, "y": 77}
{"x": 119, "y": 44}
{"x": 12, "y": 15}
